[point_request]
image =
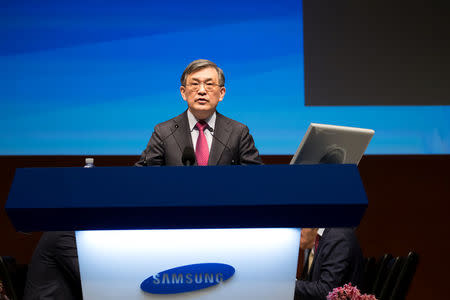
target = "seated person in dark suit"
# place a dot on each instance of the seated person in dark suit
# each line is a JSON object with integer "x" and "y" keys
{"x": 336, "y": 260}
{"x": 216, "y": 140}
{"x": 53, "y": 272}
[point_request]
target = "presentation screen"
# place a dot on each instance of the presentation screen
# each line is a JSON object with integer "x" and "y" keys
{"x": 94, "y": 78}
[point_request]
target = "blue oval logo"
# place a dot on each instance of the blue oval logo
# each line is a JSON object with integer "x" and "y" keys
{"x": 187, "y": 278}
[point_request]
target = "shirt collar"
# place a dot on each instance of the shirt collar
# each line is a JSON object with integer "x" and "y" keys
{"x": 320, "y": 231}
{"x": 211, "y": 121}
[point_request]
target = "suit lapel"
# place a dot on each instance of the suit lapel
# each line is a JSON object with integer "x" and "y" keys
{"x": 221, "y": 133}
{"x": 316, "y": 255}
{"x": 182, "y": 134}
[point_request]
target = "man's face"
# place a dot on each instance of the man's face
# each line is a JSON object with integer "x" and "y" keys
{"x": 308, "y": 238}
{"x": 202, "y": 103}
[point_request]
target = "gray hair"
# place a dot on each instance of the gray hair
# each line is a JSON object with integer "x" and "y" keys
{"x": 201, "y": 64}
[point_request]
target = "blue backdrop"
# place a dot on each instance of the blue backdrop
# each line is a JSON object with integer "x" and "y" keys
{"x": 96, "y": 77}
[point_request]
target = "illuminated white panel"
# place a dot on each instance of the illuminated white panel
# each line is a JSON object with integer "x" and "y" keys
{"x": 114, "y": 263}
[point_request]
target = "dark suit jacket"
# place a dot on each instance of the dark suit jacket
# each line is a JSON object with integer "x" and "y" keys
{"x": 231, "y": 144}
{"x": 338, "y": 261}
{"x": 53, "y": 273}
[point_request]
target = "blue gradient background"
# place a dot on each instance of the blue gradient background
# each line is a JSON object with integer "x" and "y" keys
{"x": 96, "y": 77}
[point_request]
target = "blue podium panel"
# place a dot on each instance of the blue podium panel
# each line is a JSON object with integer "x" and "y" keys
{"x": 186, "y": 197}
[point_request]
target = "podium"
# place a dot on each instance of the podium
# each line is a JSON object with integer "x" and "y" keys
{"x": 187, "y": 232}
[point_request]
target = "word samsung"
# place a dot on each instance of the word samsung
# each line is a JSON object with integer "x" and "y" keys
{"x": 187, "y": 278}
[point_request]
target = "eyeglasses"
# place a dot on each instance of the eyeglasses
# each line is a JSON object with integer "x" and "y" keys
{"x": 209, "y": 86}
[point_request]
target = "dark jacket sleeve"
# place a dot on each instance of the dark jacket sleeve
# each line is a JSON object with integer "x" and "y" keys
{"x": 248, "y": 154}
{"x": 153, "y": 155}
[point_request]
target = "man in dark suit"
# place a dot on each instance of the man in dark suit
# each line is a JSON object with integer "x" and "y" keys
{"x": 337, "y": 260}
{"x": 53, "y": 272}
{"x": 227, "y": 141}
{"x": 216, "y": 139}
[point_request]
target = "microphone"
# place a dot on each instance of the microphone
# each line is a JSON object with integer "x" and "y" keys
{"x": 144, "y": 163}
{"x": 188, "y": 157}
{"x": 233, "y": 162}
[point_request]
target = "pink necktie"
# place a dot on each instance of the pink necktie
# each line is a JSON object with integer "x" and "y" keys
{"x": 201, "y": 149}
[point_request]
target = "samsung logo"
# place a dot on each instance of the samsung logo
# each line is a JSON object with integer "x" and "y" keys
{"x": 187, "y": 278}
